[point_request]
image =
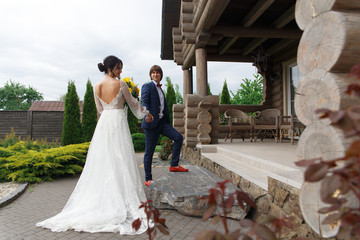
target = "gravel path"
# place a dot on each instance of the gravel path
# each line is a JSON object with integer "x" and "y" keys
{"x": 7, "y": 188}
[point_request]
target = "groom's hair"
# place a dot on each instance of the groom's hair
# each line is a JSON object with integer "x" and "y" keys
{"x": 156, "y": 68}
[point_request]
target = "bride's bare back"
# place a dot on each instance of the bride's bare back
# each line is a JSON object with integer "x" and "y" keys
{"x": 107, "y": 89}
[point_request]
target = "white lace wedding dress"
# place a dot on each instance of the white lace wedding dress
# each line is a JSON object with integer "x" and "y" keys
{"x": 109, "y": 191}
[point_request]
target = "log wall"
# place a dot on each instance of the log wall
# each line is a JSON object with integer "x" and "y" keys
{"x": 328, "y": 48}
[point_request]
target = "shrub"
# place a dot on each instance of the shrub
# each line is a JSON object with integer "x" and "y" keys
{"x": 138, "y": 141}
{"x": 166, "y": 148}
{"x": 10, "y": 139}
{"x": 23, "y": 165}
{"x": 132, "y": 121}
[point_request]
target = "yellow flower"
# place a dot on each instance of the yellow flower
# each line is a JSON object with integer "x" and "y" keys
{"x": 134, "y": 90}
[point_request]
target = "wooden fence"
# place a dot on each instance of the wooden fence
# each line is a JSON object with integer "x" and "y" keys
{"x": 36, "y": 124}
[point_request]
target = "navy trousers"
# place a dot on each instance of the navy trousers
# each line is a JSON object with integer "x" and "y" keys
{"x": 151, "y": 138}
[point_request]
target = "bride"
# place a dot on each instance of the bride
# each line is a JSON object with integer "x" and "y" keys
{"x": 109, "y": 191}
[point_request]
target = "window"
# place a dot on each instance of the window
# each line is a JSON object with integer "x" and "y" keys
{"x": 292, "y": 78}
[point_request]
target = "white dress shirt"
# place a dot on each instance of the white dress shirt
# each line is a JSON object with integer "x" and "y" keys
{"x": 161, "y": 96}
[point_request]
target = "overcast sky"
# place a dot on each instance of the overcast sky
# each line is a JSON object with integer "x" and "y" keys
{"x": 46, "y": 43}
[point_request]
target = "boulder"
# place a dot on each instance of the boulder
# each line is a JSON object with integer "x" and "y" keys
{"x": 182, "y": 191}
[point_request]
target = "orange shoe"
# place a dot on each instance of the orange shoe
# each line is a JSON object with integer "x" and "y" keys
{"x": 147, "y": 183}
{"x": 178, "y": 169}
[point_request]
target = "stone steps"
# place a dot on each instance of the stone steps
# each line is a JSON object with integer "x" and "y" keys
{"x": 243, "y": 169}
{"x": 255, "y": 168}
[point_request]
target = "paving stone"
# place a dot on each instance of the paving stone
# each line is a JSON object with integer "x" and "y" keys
{"x": 41, "y": 201}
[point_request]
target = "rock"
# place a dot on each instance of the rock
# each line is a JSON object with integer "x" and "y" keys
{"x": 181, "y": 191}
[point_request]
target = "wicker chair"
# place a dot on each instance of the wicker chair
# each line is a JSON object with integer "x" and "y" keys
{"x": 238, "y": 123}
{"x": 266, "y": 124}
{"x": 290, "y": 126}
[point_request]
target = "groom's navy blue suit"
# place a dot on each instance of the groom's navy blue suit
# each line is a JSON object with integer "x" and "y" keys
{"x": 150, "y": 99}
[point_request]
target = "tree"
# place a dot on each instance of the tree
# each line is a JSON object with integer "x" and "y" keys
{"x": 179, "y": 98}
{"x": 71, "y": 133}
{"x": 225, "y": 95}
{"x": 208, "y": 89}
{"x": 170, "y": 97}
{"x": 251, "y": 91}
{"x": 89, "y": 117}
{"x": 15, "y": 96}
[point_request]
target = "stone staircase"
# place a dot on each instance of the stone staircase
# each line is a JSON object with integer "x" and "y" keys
{"x": 257, "y": 161}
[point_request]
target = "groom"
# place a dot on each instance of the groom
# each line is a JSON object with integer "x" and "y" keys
{"x": 153, "y": 99}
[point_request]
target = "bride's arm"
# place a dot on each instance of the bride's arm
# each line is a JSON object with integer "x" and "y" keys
{"x": 98, "y": 104}
{"x": 137, "y": 109}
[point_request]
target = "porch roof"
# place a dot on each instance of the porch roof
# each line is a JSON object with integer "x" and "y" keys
{"x": 244, "y": 31}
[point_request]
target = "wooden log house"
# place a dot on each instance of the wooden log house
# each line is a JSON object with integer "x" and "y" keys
{"x": 315, "y": 41}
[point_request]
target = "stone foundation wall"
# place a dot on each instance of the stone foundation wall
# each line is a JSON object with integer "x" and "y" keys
{"x": 280, "y": 200}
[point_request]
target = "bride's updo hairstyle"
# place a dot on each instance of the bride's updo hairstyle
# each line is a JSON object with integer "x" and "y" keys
{"x": 109, "y": 63}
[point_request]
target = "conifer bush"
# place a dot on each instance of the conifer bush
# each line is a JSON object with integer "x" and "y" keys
{"x": 225, "y": 95}
{"x": 89, "y": 117}
{"x": 71, "y": 133}
{"x": 19, "y": 164}
{"x": 138, "y": 141}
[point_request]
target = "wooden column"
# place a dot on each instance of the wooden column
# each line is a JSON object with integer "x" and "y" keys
{"x": 186, "y": 82}
{"x": 201, "y": 72}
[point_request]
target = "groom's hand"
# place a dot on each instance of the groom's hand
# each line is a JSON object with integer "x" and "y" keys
{"x": 149, "y": 118}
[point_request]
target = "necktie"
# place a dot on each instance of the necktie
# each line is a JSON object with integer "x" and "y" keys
{"x": 159, "y": 85}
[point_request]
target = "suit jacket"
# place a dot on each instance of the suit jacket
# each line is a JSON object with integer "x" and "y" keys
{"x": 150, "y": 99}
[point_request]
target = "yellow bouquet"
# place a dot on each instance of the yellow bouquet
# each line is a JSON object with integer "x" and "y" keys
{"x": 134, "y": 90}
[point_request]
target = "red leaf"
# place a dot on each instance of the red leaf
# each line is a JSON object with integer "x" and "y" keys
{"x": 325, "y": 112}
{"x": 355, "y": 71}
{"x": 215, "y": 219}
{"x": 315, "y": 172}
{"x": 246, "y": 223}
{"x": 163, "y": 229}
{"x": 209, "y": 212}
{"x": 229, "y": 202}
{"x": 263, "y": 232}
{"x": 136, "y": 224}
{"x": 305, "y": 163}
{"x": 244, "y": 197}
{"x": 353, "y": 88}
{"x": 328, "y": 187}
{"x": 331, "y": 219}
{"x": 325, "y": 210}
{"x": 213, "y": 196}
{"x": 337, "y": 116}
{"x": 222, "y": 185}
{"x": 354, "y": 149}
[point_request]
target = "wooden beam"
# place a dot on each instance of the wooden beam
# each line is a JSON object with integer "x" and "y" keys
{"x": 211, "y": 14}
{"x": 260, "y": 7}
{"x": 199, "y": 11}
{"x": 250, "y": 32}
{"x": 285, "y": 18}
{"x": 187, "y": 7}
{"x": 227, "y": 44}
{"x": 279, "y": 45}
{"x": 202, "y": 39}
{"x": 253, "y": 45}
{"x": 281, "y": 22}
{"x": 189, "y": 58}
{"x": 215, "y": 38}
{"x": 229, "y": 58}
